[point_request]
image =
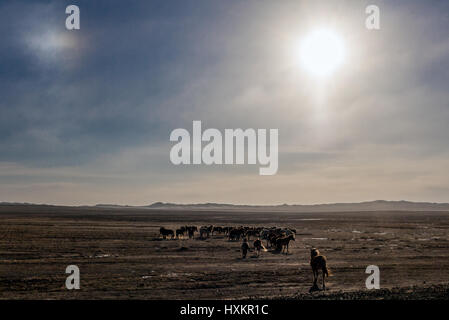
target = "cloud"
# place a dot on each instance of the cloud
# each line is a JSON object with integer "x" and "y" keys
{"x": 86, "y": 115}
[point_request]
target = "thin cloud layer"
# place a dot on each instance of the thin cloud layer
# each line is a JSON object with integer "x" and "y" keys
{"x": 85, "y": 116}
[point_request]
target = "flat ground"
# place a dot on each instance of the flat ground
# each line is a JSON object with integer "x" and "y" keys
{"x": 120, "y": 255}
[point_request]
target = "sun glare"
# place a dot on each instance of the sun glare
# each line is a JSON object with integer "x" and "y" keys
{"x": 322, "y": 52}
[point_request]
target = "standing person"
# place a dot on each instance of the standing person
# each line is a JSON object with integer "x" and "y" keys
{"x": 245, "y": 248}
{"x": 258, "y": 246}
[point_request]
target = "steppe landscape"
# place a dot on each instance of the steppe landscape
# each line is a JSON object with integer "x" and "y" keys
{"x": 121, "y": 256}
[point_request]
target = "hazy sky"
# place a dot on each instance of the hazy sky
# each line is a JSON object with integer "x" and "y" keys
{"x": 86, "y": 115}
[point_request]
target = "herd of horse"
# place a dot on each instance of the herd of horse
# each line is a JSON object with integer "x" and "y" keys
{"x": 277, "y": 239}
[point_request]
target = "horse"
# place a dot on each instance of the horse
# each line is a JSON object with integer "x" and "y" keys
{"x": 253, "y": 233}
{"x": 205, "y": 232}
{"x": 318, "y": 262}
{"x": 191, "y": 231}
{"x": 166, "y": 232}
{"x": 180, "y": 232}
{"x": 235, "y": 234}
{"x": 218, "y": 230}
{"x": 210, "y": 229}
{"x": 272, "y": 239}
{"x": 282, "y": 242}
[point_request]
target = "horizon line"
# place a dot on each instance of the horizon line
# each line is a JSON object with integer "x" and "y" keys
{"x": 162, "y": 203}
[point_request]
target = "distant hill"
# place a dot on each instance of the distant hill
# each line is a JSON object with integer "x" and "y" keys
{"x": 378, "y": 205}
{"x": 106, "y": 205}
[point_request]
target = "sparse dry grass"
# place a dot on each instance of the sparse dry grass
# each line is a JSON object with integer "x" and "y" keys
{"x": 120, "y": 256}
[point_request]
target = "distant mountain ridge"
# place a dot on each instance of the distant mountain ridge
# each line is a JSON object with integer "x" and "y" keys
{"x": 377, "y": 205}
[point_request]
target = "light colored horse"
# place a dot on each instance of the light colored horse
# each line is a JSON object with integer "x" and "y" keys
{"x": 318, "y": 262}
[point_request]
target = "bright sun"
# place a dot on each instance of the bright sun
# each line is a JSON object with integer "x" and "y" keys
{"x": 322, "y": 52}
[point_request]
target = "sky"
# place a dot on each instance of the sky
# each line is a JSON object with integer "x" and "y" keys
{"x": 86, "y": 115}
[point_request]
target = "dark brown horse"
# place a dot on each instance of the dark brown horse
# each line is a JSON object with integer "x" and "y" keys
{"x": 272, "y": 238}
{"x": 205, "y": 231}
{"x": 282, "y": 242}
{"x": 191, "y": 231}
{"x": 236, "y": 234}
{"x": 166, "y": 232}
{"x": 318, "y": 262}
{"x": 180, "y": 232}
{"x": 254, "y": 233}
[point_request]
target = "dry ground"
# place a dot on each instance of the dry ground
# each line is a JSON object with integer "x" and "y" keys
{"x": 121, "y": 257}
